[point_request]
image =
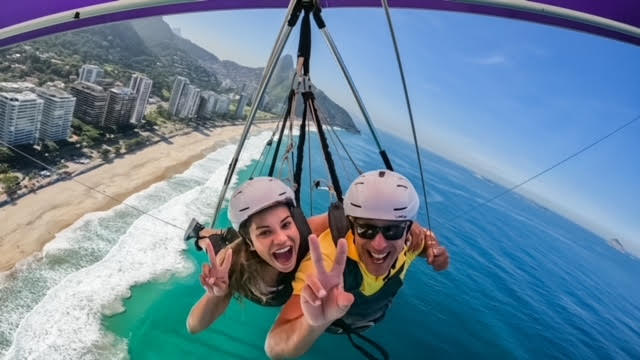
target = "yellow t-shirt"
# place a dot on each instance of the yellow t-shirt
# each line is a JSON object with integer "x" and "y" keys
{"x": 370, "y": 283}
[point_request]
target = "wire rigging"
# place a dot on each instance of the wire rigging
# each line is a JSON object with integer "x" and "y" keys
{"x": 265, "y": 152}
{"x": 385, "y": 4}
{"x": 344, "y": 148}
{"x": 333, "y": 143}
{"x": 580, "y": 151}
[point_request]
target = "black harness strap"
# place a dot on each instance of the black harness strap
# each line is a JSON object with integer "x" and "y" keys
{"x": 325, "y": 148}
{"x": 297, "y": 174}
{"x": 281, "y": 135}
{"x": 304, "y": 44}
{"x": 338, "y": 224}
{"x": 347, "y": 330}
{"x": 363, "y": 351}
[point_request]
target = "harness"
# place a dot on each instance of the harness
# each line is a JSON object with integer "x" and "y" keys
{"x": 366, "y": 311}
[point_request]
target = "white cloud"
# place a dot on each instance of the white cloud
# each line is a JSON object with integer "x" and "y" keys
{"x": 495, "y": 59}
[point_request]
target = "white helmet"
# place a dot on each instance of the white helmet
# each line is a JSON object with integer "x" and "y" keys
{"x": 255, "y": 195}
{"x": 383, "y": 195}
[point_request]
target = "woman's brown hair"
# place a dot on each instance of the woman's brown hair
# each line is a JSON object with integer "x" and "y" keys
{"x": 248, "y": 270}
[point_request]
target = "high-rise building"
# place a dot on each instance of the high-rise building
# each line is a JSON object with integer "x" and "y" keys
{"x": 141, "y": 86}
{"x": 20, "y": 115}
{"x": 242, "y": 102}
{"x": 176, "y": 94}
{"x": 222, "y": 105}
{"x": 57, "y": 114}
{"x": 207, "y": 106}
{"x": 90, "y": 73}
{"x": 91, "y": 100}
{"x": 188, "y": 103}
{"x": 120, "y": 105}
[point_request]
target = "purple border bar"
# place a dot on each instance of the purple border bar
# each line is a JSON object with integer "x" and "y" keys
{"x": 624, "y": 11}
{"x": 208, "y": 5}
{"x": 17, "y": 11}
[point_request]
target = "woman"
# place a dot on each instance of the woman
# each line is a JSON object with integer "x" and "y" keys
{"x": 261, "y": 264}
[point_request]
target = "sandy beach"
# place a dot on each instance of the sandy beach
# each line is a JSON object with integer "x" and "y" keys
{"x": 33, "y": 220}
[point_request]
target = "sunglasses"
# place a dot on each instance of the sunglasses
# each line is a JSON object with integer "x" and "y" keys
{"x": 390, "y": 232}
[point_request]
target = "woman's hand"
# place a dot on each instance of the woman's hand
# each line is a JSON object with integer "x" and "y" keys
{"x": 323, "y": 299}
{"x": 215, "y": 276}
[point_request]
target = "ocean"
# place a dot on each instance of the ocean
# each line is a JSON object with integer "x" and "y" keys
{"x": 524, "y": 282}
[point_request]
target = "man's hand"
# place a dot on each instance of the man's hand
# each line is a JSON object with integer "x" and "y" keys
{"x": 323, "y": 298}
{"x": 436, "y": 254}
{"x": 215, "y": 277}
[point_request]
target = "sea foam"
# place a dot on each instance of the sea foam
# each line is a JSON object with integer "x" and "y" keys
{"x": 66, "y": 322}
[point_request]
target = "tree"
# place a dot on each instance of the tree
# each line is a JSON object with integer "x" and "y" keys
{"x": 10, "y": 184}
{"x": 5, "y": 154}
{"x": 4, "y": 168}
{"x": 117, "y": 149}
{"x": 49, "y": 147}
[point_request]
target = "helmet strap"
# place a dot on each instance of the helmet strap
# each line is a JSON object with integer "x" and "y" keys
{"x": 407, "y": 238}
{"x": 243, "y": 231}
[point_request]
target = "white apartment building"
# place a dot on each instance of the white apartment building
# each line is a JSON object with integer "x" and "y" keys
{"x": 222, "y": 105}
{"x": 57, "y": 113}
{"x": 20, "y": 115}
{"x": 176, "y": 93}
{"x": 242, "y": 102}
{"x": 141, "y": 86}
{"x": 207, "y": 106}
{"x": 90, "y": 73}
{"x": 189, "y": 101}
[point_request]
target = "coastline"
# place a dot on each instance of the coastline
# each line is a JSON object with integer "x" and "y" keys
{"x": 33, "y": 220}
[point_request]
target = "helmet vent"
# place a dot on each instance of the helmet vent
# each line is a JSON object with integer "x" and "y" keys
{"x": 237, "y": 193}
{"x": 282, "y": 193}
{"x": 400, "y": 208}
{"x": 382, "y": 173}
{"x": 402, "y": 186}
{"x": 244, "y": 209}
{"x": 359, "y": 183}
{"x": 356, "y": 205}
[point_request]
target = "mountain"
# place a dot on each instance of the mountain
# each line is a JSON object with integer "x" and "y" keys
{"x": 148, "y": 46}
{"x": 161, "y": 39}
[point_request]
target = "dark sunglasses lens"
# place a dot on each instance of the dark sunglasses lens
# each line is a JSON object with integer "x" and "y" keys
{"x": 366, "y": 231}
{"x": 393, "y": 232}
{"x": 389, "y": 232}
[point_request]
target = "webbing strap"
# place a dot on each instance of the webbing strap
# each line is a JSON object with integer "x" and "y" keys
{"x": 304, "y": 43}
{"x": 343, "y": 328}
{"x": 281, "y": 135}
{"x": 365, "y": 352}
{"x": 297, "y": 174}
{"x": 325, "y": 146}
{"x": 338, "y": 224}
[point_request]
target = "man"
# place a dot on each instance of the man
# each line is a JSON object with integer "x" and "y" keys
{"x": 367, "y": 268}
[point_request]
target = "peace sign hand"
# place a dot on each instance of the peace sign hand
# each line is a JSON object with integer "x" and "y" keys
{"x": 323, "y": 298}
{"x": 215, "y": 277}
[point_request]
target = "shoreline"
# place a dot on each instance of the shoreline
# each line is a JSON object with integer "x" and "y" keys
{"x": 33, "y": 221}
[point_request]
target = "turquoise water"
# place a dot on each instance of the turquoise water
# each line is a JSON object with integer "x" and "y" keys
{"x": 523, "y": 283}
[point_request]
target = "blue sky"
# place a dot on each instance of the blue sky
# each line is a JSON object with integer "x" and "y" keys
{"x": 506, "y": 98}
